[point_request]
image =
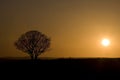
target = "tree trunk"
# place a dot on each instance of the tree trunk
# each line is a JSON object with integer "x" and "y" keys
{"x": 32, "y": 57}
{"x": 36, "y": 56}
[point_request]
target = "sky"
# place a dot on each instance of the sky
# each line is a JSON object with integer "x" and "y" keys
{"x": 76, "y": 27}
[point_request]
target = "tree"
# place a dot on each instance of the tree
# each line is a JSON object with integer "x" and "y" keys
{"x": 34, "y": 43}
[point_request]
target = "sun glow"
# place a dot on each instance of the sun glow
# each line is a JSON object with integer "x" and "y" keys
{"x": 105, "y": 42}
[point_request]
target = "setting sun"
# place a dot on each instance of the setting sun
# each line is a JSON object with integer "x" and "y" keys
{"x": 105, "y": 42}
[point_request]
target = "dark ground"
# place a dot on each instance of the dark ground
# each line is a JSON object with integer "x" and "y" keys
{"x": 95, "y": 64}
{"x": 85, "y": 66}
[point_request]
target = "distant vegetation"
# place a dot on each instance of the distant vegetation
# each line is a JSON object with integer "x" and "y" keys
{"x": 34, "y": 43}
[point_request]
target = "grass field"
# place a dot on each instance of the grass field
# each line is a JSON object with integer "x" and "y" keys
{"x": 94, "y": 64}
{"x": 81, "y": 66}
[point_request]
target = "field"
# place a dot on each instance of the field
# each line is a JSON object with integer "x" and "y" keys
{"x": 84, "y": 66}
{"x": 95, "y": 64}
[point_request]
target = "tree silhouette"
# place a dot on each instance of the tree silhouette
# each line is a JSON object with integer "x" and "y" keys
{"x": 34, "y": 43}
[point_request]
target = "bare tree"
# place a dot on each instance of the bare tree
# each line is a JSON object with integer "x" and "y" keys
{"x": 34, "y": 43}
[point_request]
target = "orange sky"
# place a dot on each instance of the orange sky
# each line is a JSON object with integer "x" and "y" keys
{"x": 76, "y": 27}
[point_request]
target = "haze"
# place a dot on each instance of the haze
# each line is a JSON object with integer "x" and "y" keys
{"x": 76, "y": 27}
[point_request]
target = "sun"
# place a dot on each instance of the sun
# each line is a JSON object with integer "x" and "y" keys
{"x": 105, "y": 42}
